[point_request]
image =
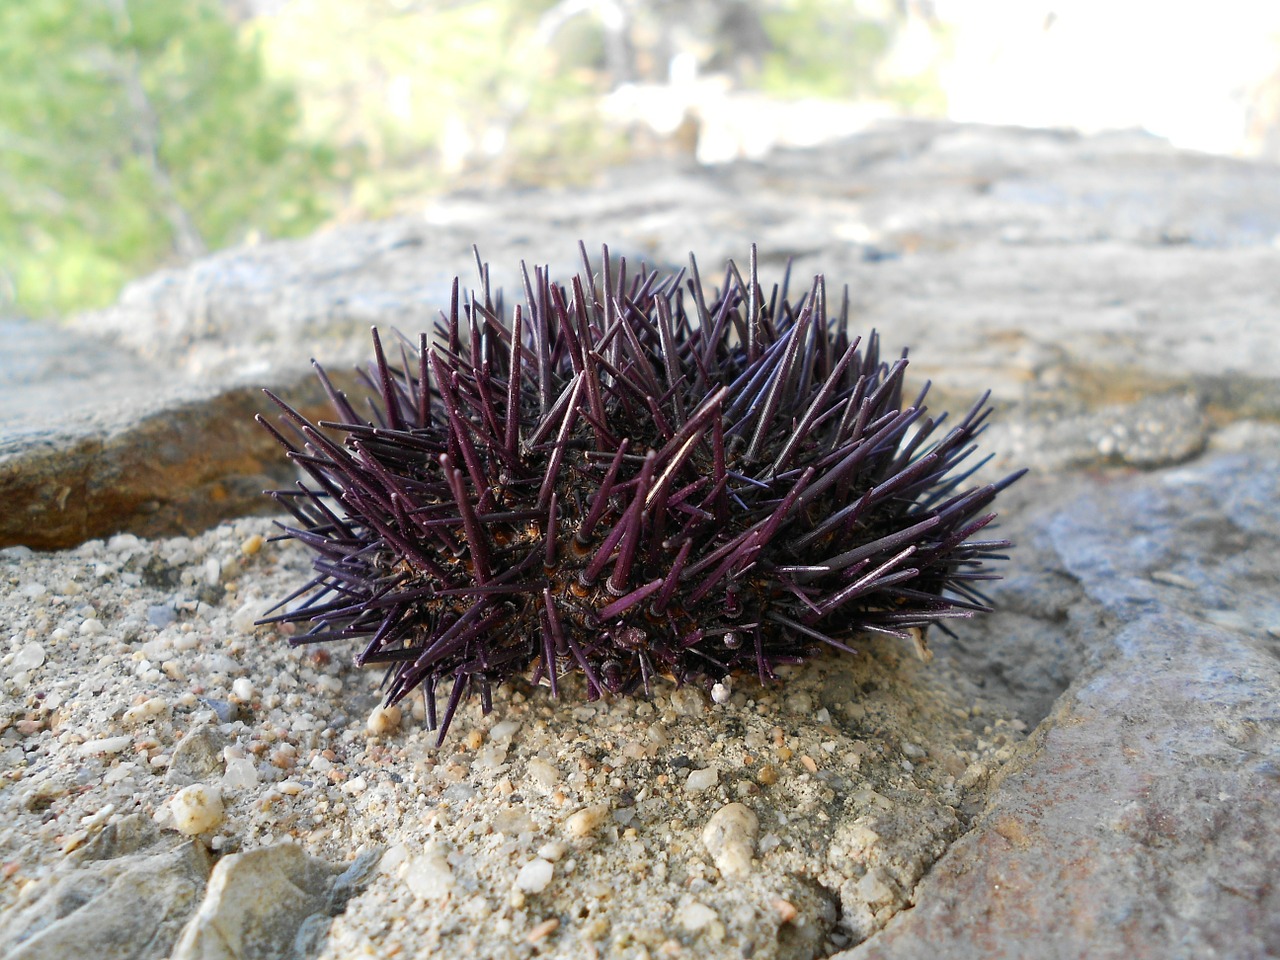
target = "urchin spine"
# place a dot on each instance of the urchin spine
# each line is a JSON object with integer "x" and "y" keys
{"x": 630, "y": 480}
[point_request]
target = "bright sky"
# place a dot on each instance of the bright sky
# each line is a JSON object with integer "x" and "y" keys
{"x": 1183, "y": 69}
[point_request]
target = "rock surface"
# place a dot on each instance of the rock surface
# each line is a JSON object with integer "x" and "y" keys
{"x": 271, "y": 902}
{"x": 1132, "y": 822}
{"x": 129, "y": 907}
{"x": 95, "y": 439}
{"x": 1089, "y": 772}
{"x": 1113, "y": 289}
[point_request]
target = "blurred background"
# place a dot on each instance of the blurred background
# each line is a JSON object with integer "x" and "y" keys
{"x": 136, "y": 134}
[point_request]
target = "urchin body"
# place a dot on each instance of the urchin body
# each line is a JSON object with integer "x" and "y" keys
{"x": 631, "y": 478}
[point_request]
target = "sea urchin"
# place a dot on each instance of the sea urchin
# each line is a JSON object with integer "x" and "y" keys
{"x": 630, "y": 478}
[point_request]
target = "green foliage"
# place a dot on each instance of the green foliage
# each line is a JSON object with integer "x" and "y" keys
{"x": 436, "y": 95}
{"x": 823, "y": 48}
{"x": 138, "y": 133}
{"x": 133, "y": 133}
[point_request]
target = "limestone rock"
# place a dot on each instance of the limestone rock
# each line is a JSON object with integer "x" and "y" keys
{"x": 258, "y": 903}
{"x": 1132, "y": 824}
{"x": 127, "y": 908}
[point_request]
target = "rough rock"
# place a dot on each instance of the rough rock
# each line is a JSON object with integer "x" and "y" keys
{"x": 1120, "y": 299}
{"x": 1111, "y": 290}
{"x": 1133, "y": 822}
{"x": 127, "y": 907}
{"x": 95, "y": 439}
{"x": 259, "y": 904}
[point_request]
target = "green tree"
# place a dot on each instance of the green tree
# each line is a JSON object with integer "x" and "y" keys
{"x": 135, "y": 133}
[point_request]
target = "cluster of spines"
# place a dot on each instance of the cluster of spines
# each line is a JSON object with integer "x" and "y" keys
{"x": 632, "y": 480}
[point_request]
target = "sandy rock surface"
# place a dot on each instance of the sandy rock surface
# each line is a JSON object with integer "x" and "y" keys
{"x": 1089, "y": 772}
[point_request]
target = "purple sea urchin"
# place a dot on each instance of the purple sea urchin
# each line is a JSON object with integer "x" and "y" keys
{"x": 630, "y": 478}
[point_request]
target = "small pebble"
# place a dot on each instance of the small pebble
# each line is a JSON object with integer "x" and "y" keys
{"x": 196, "y": 809}
{"x": 504, "y": 730}
{"x": 700, "y": 780}
{"x": 543, "y": 773}
{"x": 535, "y": 876}
{"x": 586, "y": 821}
{"x": 241, "y": 775}
{"x": 730, "y": 838}
{"x": 252, "y": 545}
{"x": 695, "y": 916}
{"x": 383, "y": 720}
{"x": 542, "y": 930}
{"x": 553, "y": 851}
{"x": 28, "y": 657}
{"x": 242, "y": 689}
{"x": 105, "y": 745}
{"x": 428, "y": 875}
{"x": 785, "y": 909}
{"x": 688, "y": 702}
{"x": 161, "y": 615}
{"x": 148, "y": 709}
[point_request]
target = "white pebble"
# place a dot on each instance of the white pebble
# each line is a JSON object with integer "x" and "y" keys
{"x": 196, "y": 809}
{"x": 144, "y": 711}
{"x": 553, "y": 850}
{"x": 586, "y": 821}
{"x": 720, "y": 693}
{"x": 98, "y": 817}
{"x": 123, "y": 543}
{"x": 543, "y": 773}
{"x": 91, "y": 628}
{"x": 242, "y": 689}
{"x": 535, "y": 876}
{"x": 395, "y": 856}
{"x": 241, "y": 775}
{"x": 383, "y": 720}
{"x": 328, "y": 684}
{"x": 700, "y": 780}
{"x": 730, "y": 838}
{"x": 28, "y": 657}
{"x": 242, "y": 620}
{"x": 688, "y": 702}
{"x": 695, "y": 916}
{"x": 504, "y": 730}
{"x": 355, "y": 786}
{"x": 185, "y": 641}
{"x": 429, "y": 875}
{"x": 105, "y": 745}
{"x": 212, "y": 571}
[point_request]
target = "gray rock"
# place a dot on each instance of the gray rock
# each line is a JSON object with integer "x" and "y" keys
{"x": 1117, "y": 296}
{"x": 125, "y": 908}
{"x": 273, "y": 903}
{"x": 1109, "y": 290}
{"x": 197, "y": 757}
{"x": 133, "y": 448}
{"x": 1136, "y": 821}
